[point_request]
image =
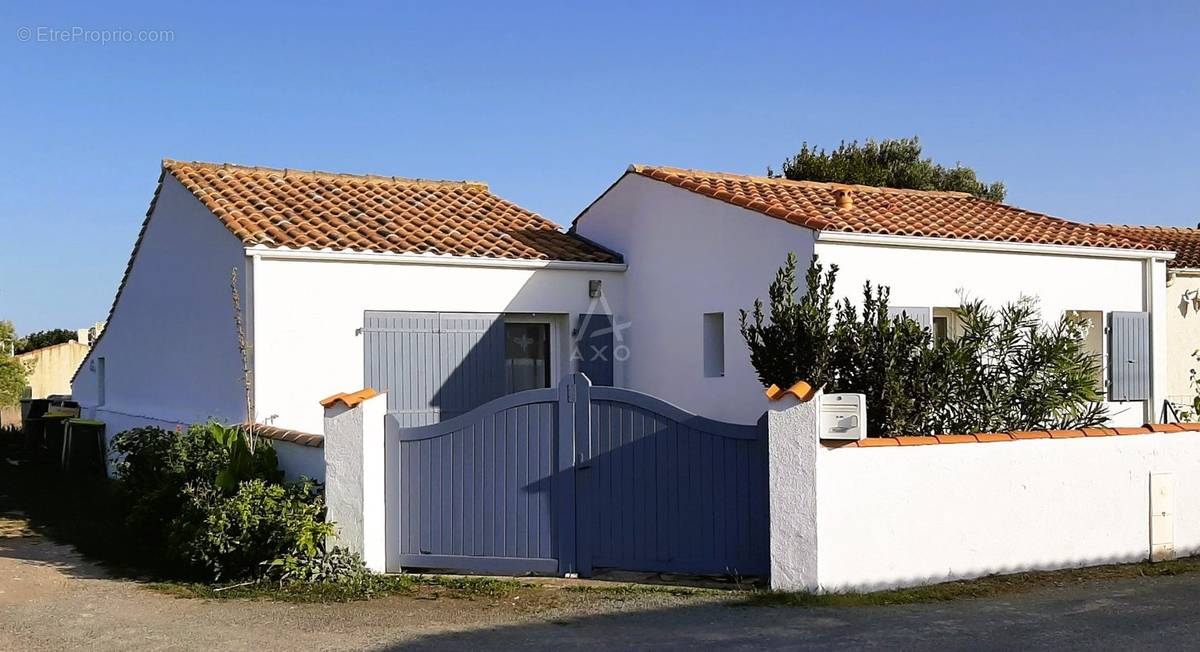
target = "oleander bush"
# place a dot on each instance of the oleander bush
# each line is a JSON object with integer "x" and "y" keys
{"x": 1006, "y": 369}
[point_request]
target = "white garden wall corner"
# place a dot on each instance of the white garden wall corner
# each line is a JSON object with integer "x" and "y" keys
{"x": 354, "y": 473}
{"x": 791, "y": 426}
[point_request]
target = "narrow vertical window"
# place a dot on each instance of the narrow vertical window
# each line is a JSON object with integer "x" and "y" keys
{"x": 100, "y": 382}
{"x": 714, "y": 344}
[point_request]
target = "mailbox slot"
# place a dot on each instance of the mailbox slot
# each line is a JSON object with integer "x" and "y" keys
{"x": 843, "y": 417}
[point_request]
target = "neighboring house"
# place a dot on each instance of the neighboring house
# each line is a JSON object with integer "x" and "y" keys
{"x": 1183, "y": 301}
{"x": 444, "y": 295}
{"x": 700, "y": 246}
{"x": 439, "y": 293}
{"x": 51, "y": 368}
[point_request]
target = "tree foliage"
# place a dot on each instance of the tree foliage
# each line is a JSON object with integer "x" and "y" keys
{"x": 12, "y": 372}
{"x": 1006, "y": 371}
{"x": 41, "y": 339}
{"x": 893, "y": 163}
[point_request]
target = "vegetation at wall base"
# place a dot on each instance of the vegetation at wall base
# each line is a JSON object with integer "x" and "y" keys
{"x": 199, "y": 505}
{"x": 1004, "y": 371}
{"x": 891, "y": 163}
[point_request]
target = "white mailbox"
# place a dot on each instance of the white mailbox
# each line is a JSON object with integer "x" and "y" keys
{"x": 843, "y": 416}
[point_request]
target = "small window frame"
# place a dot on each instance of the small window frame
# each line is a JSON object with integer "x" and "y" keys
{"x": 712, "y": 339}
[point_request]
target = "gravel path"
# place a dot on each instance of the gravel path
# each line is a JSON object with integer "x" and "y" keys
{"x": 51, "y": 599}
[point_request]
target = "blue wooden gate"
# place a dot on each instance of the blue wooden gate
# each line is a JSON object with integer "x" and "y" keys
{"x": 577, "y": 478}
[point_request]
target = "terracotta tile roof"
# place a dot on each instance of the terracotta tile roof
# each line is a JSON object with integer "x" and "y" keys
{"x": 319, "y": 210}
{"x": 888, "y": 211}
{"x": 1184, "y": 241}
{"x": 874, "y": 442}
{"x": 285, "y": 435}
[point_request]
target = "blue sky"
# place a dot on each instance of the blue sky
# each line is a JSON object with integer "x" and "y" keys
{"x": 1088, "y": 110}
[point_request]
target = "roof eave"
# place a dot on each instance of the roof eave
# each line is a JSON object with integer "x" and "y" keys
{"x": 928, "y": 242}
{"x": 284, "y": 253}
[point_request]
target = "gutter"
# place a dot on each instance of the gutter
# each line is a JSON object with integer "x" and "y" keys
{"x": 269, "y": 253}
{"x": 926, "y": 242}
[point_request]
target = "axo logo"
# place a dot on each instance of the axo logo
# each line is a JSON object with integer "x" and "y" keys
{"x": 600, "y": 336}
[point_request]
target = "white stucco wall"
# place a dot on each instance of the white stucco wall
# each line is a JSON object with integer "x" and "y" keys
{"x": 913, "y": 515}
{"x": 298, "y": 460}
{"x": 1183, "y": 335}
{"x": 307, "y": 313}
{"x": 689, "y": 255}
{"x": 170, "y": 347}
{"x": 929, "y": 277}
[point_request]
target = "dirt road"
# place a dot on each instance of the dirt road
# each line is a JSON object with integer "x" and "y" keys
{"x": 51, "y": 599}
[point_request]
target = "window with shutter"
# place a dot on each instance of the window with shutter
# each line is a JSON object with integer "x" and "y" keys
{"x": 1129, "y": 356}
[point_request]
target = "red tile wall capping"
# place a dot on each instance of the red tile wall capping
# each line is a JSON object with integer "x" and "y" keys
{"x": 290, "y": 436}
{"x": 349, "y": 399}
{"x": 873, "y": 442}
{"x": 891, "y": 211}
{"x": 801, "y": 390}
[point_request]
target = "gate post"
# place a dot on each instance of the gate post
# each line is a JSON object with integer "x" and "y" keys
{"x": 792, "y": 441}
{"x": 564, "y": 476}
{"x": 582, "y": 474}
{"x": 355, "y": 473}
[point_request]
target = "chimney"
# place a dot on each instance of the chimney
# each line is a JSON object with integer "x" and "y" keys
{"x": 845, "y": 200}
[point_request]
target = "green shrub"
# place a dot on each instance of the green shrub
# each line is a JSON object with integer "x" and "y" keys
{"x": 211, "y": 504}
{"x": 334, "y": 566}
{"x": 231, "y": 536}
{"x": 798, "y": 333}
{"x": 885, "y": 359}
{"x": 1007, "y": 370}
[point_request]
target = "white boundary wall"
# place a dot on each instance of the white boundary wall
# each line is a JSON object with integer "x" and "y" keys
{"x": 908, "y": 515}
{"x": 922, "y": 514}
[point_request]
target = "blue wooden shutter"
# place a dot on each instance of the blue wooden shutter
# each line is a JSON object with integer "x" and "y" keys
{"x": 594, "y": 347}
{"x": 433, "y": 365}
{"x": 1129, "y": 356}
{"x": 400, "y": 352}
{"x": 471, "y": 361}
{"x": 923, "y": 316}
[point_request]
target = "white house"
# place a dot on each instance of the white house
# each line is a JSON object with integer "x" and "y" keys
{"x": 440, "y": 293}
{"x": 700, "y": 246}
{"x": 444, "y": 295}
